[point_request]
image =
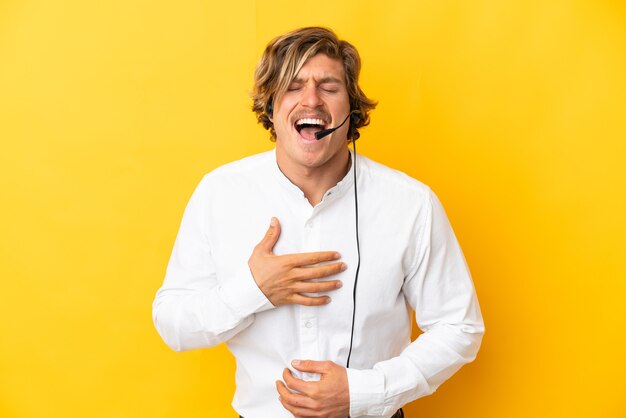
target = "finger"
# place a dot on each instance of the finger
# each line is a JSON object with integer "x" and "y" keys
{"x": 312, "y": 366}
{"x": 309, "y": 259}
{"x": 298, "y": 299}
{"x": 271, "y": 236}
{"x": 298, "y": 385}
{"x": 283, "y": 393}
{"x": 300, "y": 412}
{"x": 317, "y": 287}
{"x": 282, "y": 389}
{"x": 295, "y": 411}
{"x": 319, "y": 272}
{"x": 294, "y": 400}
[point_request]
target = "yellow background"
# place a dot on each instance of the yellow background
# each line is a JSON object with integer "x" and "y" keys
{"x": 110, "y": 113}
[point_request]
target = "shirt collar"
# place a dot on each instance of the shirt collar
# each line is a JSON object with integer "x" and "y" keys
{"x": 339, "y": 189}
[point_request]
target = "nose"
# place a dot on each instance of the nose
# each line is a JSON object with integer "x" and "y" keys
{"x": 311, "y": 97}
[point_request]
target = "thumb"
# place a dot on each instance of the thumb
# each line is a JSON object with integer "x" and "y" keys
{"x": 271, "y": 236}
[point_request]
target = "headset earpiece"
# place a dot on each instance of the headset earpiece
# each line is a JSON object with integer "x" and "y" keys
{"x": 355, "y": 117}
{"x": 269, "y": 108}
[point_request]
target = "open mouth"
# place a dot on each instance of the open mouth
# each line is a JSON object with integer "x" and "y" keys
{"x": 307, "y": 127}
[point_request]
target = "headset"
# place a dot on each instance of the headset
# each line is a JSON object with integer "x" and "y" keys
{"x": 354, "y": 115}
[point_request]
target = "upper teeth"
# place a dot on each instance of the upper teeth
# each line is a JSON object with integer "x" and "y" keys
{"x": 309, "y": 121}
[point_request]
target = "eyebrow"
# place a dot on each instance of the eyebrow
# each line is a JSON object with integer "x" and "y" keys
{"x": 323, "y": 80}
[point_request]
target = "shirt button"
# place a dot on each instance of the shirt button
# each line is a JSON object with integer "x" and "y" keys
{"x": 308, "y": 324}
{"x": 310, "y": 224}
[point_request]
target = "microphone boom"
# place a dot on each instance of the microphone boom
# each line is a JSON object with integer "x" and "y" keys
{"x": 321, "y": 134}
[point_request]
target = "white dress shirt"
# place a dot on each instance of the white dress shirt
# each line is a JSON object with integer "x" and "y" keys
{"x": 410, "y": 258}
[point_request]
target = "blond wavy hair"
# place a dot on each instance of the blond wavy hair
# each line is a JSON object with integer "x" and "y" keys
{"x": 283, "y": 58}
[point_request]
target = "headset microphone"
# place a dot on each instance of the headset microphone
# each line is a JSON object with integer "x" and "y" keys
{"x": 321, "y": 134}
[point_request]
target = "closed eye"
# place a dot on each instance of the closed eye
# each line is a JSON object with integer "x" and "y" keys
{"x": 295, "y": 86}
{"x": 329, "y": 87}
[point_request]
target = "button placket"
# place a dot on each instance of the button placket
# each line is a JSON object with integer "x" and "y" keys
{"x": 309, "y": 337}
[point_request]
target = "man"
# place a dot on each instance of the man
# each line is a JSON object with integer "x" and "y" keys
{"x": 351, "y": 247}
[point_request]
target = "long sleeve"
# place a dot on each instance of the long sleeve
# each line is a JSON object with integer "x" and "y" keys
{"x": 440, "y": 290}
{"x": 194, "y": 309}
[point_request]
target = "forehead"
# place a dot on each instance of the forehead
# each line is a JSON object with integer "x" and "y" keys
{"x": 322, "y": 67}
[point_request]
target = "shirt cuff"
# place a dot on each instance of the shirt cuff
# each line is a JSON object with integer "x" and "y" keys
{"x": 367, "y": 392}
{"x": 241, "y": 293}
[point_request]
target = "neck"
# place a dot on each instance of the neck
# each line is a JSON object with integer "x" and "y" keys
{"x": 315, "y": 181}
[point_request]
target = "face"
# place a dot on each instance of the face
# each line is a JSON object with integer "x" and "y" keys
{"x": 317, "y": 99}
